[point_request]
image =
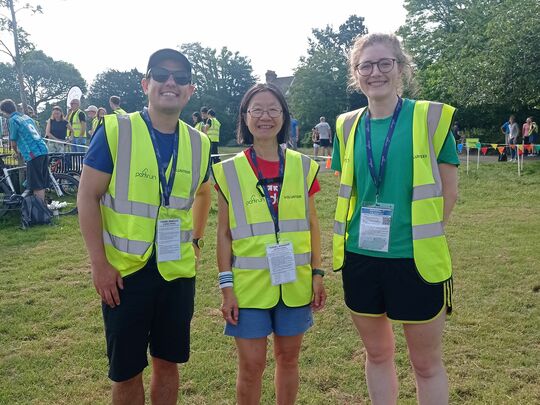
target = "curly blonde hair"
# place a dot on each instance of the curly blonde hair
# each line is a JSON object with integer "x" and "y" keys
{"x": 390, "y": 40}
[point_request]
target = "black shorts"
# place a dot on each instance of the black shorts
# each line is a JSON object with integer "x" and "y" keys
{"x": 152, "y": 312}
{"x": 214, "y": 151}
{"x": 37, "y": 173}
{"x": 376, "y": 286}
{"x": 324, "y": 143}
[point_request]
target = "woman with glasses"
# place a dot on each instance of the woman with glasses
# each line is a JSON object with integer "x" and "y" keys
{"x": 398, "y": 164}
{"x": 268, "y": 245}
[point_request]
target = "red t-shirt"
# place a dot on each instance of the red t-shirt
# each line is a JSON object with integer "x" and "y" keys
{"x": 269, "y": 170}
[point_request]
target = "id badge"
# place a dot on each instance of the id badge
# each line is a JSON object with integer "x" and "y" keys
{"x": 281, "y": 263}
{"x": 168, "y": 240}
{"x": 375, "y": 222}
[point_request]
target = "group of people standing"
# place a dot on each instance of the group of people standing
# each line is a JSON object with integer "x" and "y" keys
{"x": 511, "y": 131}
{"x": 206, "y": 122}
{"x": 144, "y": 201}
{"x": 78, "y": 126}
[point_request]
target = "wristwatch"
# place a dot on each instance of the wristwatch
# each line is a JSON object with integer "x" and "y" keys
{"x": 199, "y": 242}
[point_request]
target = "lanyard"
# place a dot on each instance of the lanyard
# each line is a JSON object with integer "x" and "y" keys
{"x": 166, "y": 186}
{"x": 264, "y": 182}
{"x": 377, "y": 180}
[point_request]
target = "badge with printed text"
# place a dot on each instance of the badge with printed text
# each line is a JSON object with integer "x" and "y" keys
{"x": 168, "y": 240}
{"x": 281, "y": 263}
{"x": 375, "y": 222}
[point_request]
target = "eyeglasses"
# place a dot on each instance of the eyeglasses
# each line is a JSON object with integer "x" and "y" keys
{"x": 161, "y": 75}
{"x": 385, "y": 65}
{"x": 258, "y": 112}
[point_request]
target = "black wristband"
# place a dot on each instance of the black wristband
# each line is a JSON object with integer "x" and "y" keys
{"x": 317, "y": 272}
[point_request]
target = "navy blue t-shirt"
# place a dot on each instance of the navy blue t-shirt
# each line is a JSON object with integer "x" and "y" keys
{"x": 99, "y": 156}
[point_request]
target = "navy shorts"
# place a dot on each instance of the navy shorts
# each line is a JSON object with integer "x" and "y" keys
{"x": 376, "y": 286}
{"x": 37, "y": 173}
{"x": 281, "y": 320}
{"x": 324, "y": 143}
{"x": 152, "y": 313}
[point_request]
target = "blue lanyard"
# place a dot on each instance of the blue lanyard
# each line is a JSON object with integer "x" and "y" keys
{"x": 377, "y": 180}
{"x": 166, "y": 186}
{"x": 263, "y": 182}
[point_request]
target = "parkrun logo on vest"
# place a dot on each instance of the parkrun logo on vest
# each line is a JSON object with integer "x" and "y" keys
{"x": 183, "y": 171}
{"x": 145, "y": 175}
{"x": 254, "y": 200}
{"x": 292, "y": 197}
{"x": 422, "y": 156}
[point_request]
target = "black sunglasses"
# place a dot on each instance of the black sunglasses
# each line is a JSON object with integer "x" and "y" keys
{"x": 161, "y": 75}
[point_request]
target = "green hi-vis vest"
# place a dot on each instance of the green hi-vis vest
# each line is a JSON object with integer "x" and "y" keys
{"x": 431, "y": 123}
{"x": 75, "y": 123}
{"x": 131, "y": 206}
{"x": 213, "y": 131}
{"x": 252, "y": 229}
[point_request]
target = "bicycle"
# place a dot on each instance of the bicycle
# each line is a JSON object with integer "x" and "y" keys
{"x": 60, "y": 194}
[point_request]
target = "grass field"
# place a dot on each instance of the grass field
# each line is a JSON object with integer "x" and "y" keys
{"x": 52, "y": 348}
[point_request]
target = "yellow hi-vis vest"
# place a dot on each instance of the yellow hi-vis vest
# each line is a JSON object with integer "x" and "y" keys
{"x": 252, "y": 229}
{"x": 198, "y": 126}
{"x": 213, "y": 131}
{"x": 119, "y": 111}
{"x": 431, "y": 123}
{"x": 131, "y": 206}
{"x": 75, "y": 122}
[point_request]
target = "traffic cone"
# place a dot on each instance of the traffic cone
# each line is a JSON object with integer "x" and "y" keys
{"x": 328, "y": 162}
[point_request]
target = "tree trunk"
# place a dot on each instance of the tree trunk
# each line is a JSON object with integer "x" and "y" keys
{"x": 18, "y": 60}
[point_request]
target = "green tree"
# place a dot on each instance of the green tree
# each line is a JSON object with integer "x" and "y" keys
{"x": 221, "y": 78}
{"x": 126, "y": 85}
{"x": 20, "y": 39}
{"x": 480, "y": 55}
{"x": 320, "y": 80}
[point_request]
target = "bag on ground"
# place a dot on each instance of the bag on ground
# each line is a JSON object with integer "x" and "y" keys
{"x": 35, "y": 212}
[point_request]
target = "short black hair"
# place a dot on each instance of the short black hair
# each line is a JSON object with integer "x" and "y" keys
{"x": 211, "y": 112}
{"x": 115, "y": 100}
{"x": 243, "y": 134}
{"x": 8, "y": 106}
{"x": 204, "y": 110}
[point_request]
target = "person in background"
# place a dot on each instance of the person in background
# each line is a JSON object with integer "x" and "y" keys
{"x": 398, "y": 188}
{"x": 26, "y": 140}
{"x": 213, "y": 134}
{"x": 533, "y": 135}
{"x": 513, "y": 133}
{"x": 206, "y": 122}
{"x": 93, "y": 121}
{"x": 325, "y": 136}
{"x": 57, "y": 129}
{"x": 77, "y": 122}
{"x": 114, "y": 103}
{"x": 143, "y": 201}
{"x": 279, "y": 224}
{"x": 197, "y": 121}
{"x": 315, "y": 140}
{"x": 295, "y": 133}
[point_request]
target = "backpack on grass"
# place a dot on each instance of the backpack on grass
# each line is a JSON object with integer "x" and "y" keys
{"x": 34, "y": 212}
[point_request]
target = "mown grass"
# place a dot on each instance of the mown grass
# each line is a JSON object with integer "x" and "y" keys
{"x": 52, "y": 348}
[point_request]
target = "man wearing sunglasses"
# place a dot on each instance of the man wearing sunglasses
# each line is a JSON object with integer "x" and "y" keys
{"x": 143, "y": 202}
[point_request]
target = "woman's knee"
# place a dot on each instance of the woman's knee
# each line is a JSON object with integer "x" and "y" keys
{"x": 426, "y": 365}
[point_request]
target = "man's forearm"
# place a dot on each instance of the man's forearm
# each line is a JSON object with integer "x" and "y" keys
{"x": 91, "y": 228}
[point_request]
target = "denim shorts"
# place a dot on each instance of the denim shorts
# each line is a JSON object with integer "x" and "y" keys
{"x": 281, "y": 320}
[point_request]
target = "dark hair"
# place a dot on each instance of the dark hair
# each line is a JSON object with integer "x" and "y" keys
{"x": 8, "y": 106}
{"x": 211, "y": 112}
{"x": 197, "y": 115}
{"x": 115, "y": 100}
{"x": 204, "y": 110}
{"x": 243, "y": 135}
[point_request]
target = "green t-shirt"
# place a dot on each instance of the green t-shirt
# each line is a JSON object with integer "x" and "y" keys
{"x": 396, "y": 187}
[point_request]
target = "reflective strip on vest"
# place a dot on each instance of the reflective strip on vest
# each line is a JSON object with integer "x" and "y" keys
{"x": 339, "y": 228}
{"x": 245, "y": 230}
{"x": 345, "y": 191}
{"x": 261, "y": 263}
{"x": 426, "y": 191}
{"x": 129, "y": 207}
{"x": 196, "y": 150}
{"x": 136, "y": 247}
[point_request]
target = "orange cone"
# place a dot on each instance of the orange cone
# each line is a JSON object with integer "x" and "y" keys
{"x": 328, "y": 162}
